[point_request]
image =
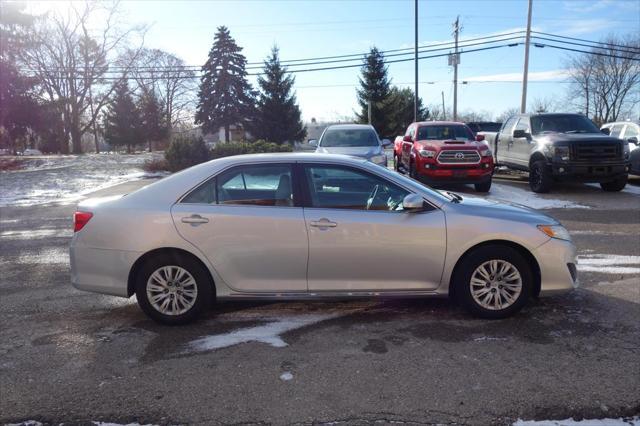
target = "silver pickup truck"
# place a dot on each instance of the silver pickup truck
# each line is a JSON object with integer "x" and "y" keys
{"x": 555, "y": 147}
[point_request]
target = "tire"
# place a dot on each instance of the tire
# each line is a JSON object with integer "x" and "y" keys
{"x": 412, "y": 170}
{"x": 470, "y": 268}
{"x": 484, "y": 186}
{"x": 540, "y": 179}
{"x": 396, "y": 163}
{"x": 197, "y": 283}
{"x": 614, "y": 185}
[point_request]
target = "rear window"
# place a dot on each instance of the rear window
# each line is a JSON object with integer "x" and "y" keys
{"x": 349, "y": 138}
{"x": 444, "y": 132}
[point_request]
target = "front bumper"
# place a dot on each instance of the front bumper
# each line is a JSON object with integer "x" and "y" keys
{"x": 101, "y": 271}
{"x": 447, "y": 175}
{"x": 558, "y": 264}
{"x": 594, "y": 172}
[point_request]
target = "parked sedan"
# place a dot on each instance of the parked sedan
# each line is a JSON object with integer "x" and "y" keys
{"x": 359, "y": 140}
{"x": 308, "y": 226}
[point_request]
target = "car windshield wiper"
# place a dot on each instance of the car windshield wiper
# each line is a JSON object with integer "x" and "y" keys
{"x": 455, "y": 197}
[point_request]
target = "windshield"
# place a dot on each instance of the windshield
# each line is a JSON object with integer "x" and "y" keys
{"x": 489, "y": 127}
{"x": 345, "y": 138}
{"x": 444, "y": 132}
{"x": 570, "y": 123}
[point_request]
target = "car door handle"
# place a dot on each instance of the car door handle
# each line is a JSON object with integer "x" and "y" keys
{"x": 195, "y": 219}
{"x": 324, "y": 223}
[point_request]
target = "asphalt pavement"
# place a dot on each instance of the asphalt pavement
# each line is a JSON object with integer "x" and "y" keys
{"x": 72, "y": 357}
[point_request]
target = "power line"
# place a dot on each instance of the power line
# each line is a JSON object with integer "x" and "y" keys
{"x": 586, "y": 41}
{"x": 585, "y": 51}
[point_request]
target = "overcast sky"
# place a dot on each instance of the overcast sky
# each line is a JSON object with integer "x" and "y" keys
{"x": 305, "y": 29}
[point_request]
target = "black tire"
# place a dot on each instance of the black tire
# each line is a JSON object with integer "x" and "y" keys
{"x": 476, "y": 258}
{"x": 203, "y": 283}
{"x": 484, "y": 186}
{"x": 412, "y": 170}
{"x": 614, "y": 185}
{"x": 540, "y": 179}
{"x": 396, "y": 163}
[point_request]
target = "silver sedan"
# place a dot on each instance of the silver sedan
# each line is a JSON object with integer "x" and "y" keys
{"x": 301, "y": 226}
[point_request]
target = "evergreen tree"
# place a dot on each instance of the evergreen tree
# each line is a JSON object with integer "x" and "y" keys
{"x": 375, "y": 87}
{"x": 277, "y": 116}
{"x": 122, "y": 121}
{"x": 400, "y": 106}
{"x": 225, "y": 97}
{"x": 153, "y": 126}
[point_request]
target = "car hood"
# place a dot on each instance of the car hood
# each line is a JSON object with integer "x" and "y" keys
{"x": 443, "y": 145}
{"x": 577, "y": 137}
{"x": 475, "y": 206}
{"x": 358, "y": 151}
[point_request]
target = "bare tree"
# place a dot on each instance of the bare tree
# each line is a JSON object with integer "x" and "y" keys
{"x": 546, "y": 104}
{"x": 169, "y": 79}
{"x": 71, "y": 60}
{"x": 506, "y": 114}
{"x": 603, "y": 86}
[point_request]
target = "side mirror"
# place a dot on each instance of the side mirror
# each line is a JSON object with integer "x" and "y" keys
{"x": 386, "y": 143}
{"x": 606, "y": 130}
{"x": 407, "y": 138}
{"x": 633, "y": 140}
{"x": 519, "y": 134}
{"x": 479, "y": 138}
{"x": 313, "y": 142}
{"x": 413, "y": 202}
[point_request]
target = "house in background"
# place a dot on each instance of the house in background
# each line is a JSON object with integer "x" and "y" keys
{"x": 236, "y": 134}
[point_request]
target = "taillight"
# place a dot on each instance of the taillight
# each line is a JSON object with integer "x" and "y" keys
{"x": 80, "y": 219}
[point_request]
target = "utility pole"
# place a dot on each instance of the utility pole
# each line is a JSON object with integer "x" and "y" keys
{"x": 456, "y": 60}
{"x": 525, "y": 73}
{"x": 369, "y": 111}
{"x": 444, "y": 113}
{"x": 415, "y": 100}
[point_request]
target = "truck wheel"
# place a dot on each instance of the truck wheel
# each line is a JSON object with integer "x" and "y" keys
{"x": 614, "y": 185}
{"x": 396, "y": 163}
{"x": 540, "y": 178}
{"x": 412, "y": 170}
{"x": 484, "y": 186}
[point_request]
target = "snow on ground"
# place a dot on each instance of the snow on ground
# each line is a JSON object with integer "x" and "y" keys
{"x": 67, "y": 179}
{"x": 635, "y": 421}
{"x": 268, "y": 333}
{"x": 526, "y": 197}
{"x": 48, "y": 256}
{"x": 609, "y": 264}
{"x": 37, "y": 233}
{"x": 286, "y": 376}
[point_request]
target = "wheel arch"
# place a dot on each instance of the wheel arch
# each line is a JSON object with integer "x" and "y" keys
{"x": 171, "y": 251}
{"x": 537, "y": 156}
{"x": 529, "y": 257}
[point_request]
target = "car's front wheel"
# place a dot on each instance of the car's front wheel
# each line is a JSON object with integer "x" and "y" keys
{"x": 173, "y": 289}
{"x": 540, "y": 179}
{"x": 493, "y": 281}
{"x": 484, "y": 186}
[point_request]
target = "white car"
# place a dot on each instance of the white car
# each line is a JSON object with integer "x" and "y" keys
{"x": 31, "y": 151}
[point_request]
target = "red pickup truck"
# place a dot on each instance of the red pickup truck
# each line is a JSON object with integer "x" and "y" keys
{"x": 441, "y": 152}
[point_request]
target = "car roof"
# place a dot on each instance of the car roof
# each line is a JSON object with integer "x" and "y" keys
{"x": 350, "y": 126}
{"x": 439, "y": 123}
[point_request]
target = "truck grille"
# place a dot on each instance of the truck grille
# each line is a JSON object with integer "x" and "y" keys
{"x": 458, "y": 157}
{"x": 597, "y": 151}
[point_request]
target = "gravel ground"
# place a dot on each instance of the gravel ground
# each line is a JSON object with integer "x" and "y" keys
{"x": 74, "y": 357}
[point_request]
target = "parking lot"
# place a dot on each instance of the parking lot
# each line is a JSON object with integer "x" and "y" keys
{"x": 74, "y": 357}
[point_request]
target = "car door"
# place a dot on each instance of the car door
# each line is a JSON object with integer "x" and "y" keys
{"x": 407, "y": 146}
{"x": 249, "y": 224}
{"x": 360, "y": 239}
{"x": 505, "y": 153}
{"x": 521, "y": 147}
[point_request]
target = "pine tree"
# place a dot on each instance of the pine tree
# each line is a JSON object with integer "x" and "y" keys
{"x": 225, "y": 97}
{"x": 153, "y": 126}
{"x": 400, "y": 105}
{"x": 122, "y": 121}
{"x": 375, "y": 87}
{"x": 277, "y": 116}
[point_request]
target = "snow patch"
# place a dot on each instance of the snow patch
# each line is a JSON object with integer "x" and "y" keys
{"x": 268, "y": 333}
{"x": 35, "y": 233}
{"x": 50, "y": 256}
{"x": 286, "y": 376}
{"x": 512, "y": 194}
{"x": 609, "y": 264}
{"x": 635, "y": 421}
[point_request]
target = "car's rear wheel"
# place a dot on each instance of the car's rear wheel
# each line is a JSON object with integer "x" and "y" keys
{"x": 484, "y": 186}
{"x": 614, "y": 185}
{"x": 493, "y": 281}
{"x": 173, "y": 289}
{"x": 540, "y": 179}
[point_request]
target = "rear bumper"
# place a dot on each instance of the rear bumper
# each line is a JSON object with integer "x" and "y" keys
{"x": 558, "y": 264}
{"x": 589, "y": 172}
{"x": 101, "y": 271}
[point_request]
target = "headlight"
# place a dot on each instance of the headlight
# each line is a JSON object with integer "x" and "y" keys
{"x": 561, "y": 152}
{"x": 555, "y": 231}
{"x": 378, "y": 158}
{"x": 486, "y": 153}
{"x": 427, "y": 153}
